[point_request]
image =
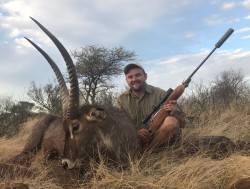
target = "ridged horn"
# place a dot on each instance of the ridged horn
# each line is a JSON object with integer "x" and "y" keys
{"x": 63, "y": 88}
{"x": 72, "y": 111}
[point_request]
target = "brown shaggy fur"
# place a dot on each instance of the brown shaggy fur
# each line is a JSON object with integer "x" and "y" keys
{"x": 116, "y": 130}
{"x": 241, "y": 184}
{"x": 47, "y": 134}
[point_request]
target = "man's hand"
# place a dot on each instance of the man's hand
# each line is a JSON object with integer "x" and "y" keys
{"x": 143, "y": 134}
{"x": 171, "y": 107}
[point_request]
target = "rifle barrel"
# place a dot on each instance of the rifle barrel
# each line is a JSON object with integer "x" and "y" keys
{"x": 224, "y": 38}
{"x": 217, "y": 45}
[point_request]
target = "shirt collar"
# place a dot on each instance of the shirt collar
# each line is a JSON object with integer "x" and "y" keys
{"x": 148, "y": 90}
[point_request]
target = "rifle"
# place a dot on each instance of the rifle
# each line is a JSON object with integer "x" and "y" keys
{"x": 157, "y": 115}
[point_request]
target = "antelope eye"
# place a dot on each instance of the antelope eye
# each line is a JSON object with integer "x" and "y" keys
{"x": 75, "y": 128}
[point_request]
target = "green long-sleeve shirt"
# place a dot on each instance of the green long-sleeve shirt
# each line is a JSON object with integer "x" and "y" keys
{"x": 139, "y": 108}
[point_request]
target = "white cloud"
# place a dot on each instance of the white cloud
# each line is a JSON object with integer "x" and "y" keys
{"x": 233, "y": 21}
{"x": 247, "y": 17}
{"x": 107, "y": 20}
{"x": 14, "y": 33}
{"x": 153, "y": 29}
{"x": 229, "y": 5}
{"x": 241, "y": 30}
{"x": 175, "y": 69}
{"x": 246, "y": 3}
{"x": 246, "y": 37}
{"x": 215, "y": 19}
{"x": 190, "y": 35}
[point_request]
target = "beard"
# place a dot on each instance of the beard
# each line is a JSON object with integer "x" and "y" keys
{"x": 138, "y": 86}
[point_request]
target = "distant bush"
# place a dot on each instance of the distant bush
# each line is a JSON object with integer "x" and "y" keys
{"x": 229, "y": 87}
{"x": 13, "y": 114}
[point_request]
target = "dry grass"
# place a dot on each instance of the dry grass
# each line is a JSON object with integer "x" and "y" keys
{"x": 162, "y": 170}
{"x": 9, "y": 147}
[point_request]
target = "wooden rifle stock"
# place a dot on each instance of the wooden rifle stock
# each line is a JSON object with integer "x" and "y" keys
{"x": 156, "y": 117}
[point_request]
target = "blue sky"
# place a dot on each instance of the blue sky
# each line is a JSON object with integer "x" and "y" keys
{"x": 170, "y": 38}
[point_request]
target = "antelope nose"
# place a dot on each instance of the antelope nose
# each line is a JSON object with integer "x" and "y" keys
{"x": 65, "y": 165}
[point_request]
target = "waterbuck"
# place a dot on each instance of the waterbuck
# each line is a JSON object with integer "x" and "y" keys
{"x": 83, "y": 132}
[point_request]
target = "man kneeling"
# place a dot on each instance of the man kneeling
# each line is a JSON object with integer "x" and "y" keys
{"x": 139, "y": 100}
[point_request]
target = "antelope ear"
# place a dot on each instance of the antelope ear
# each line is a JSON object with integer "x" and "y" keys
{"x": 96, "y": 114}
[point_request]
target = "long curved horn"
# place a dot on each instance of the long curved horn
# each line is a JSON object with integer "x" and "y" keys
{"x": 74, "y": 88}
{"x": 63, "y": 88}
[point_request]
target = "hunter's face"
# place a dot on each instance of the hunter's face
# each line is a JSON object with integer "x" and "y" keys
{"x": 136, "y": 79}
